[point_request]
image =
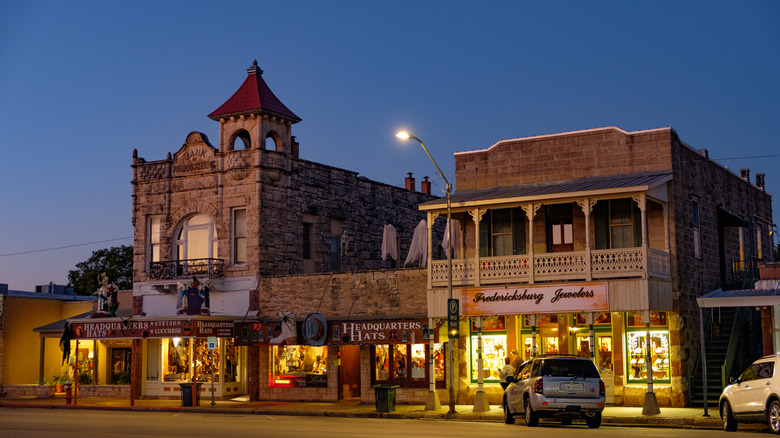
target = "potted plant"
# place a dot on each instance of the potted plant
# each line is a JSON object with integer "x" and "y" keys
{"x": 60, "y": 381}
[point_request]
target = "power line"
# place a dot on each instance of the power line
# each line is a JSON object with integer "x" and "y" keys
{"x": 64, "y": 247}
{"x": 746, "y": 158}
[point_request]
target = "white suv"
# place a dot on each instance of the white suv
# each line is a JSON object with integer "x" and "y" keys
{"x": 561, "y": 387}
{"x": 753, "y": 397}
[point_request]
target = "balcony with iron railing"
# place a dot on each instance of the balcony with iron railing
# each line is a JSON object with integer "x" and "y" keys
{"x": 554, "y": 266}
{"x": 188, "y": 268}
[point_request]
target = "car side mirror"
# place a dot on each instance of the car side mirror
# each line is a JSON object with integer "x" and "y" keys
{"x": 734, "y": 380}
{"x": 511, "y": 379}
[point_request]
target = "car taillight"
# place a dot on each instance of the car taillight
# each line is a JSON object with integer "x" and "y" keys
{"x": 538, "y": 388}
{"x": 602, "y": 388}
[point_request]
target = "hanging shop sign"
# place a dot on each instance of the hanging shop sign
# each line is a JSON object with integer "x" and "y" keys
{"x": 560, "y": 298}
{"x": 150, "y": 328}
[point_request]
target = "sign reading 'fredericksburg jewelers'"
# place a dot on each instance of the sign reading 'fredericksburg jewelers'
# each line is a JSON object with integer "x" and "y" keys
{"x": 559, "y": 298}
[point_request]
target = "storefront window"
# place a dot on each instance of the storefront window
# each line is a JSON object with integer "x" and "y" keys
{"x": 206, "y": 361}
{"x": 494, "y": 351}
{"x": 406, "y": 364}
{"x": 231, "y": 360}
{"x": 299, "y": 366}
{"x": 636, "y": 347}
{"x": 176, "y": 360}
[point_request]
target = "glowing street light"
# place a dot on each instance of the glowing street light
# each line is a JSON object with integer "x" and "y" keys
{"x": 404, "y": 135}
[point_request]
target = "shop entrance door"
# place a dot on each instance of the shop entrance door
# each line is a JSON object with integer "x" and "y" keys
{"x": 349, "y": 372}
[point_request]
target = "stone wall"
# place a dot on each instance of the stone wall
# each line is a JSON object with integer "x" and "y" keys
{"x": 277, "y": 190}
{"x": 380, "y": 293}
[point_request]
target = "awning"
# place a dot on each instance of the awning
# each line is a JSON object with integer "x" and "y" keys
{"x": 740, "y": 298}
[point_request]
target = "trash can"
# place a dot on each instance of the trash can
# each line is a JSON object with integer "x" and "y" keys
{"x": 186, "y": 394}
{"x": 384, "y": 396}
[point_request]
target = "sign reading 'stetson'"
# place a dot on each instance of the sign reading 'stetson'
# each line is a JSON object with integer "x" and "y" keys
{"x": 559, "y": 298}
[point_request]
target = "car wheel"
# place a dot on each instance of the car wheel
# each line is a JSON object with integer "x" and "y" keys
{"x": 594, "y": 421}
{"x": 531, "y": 417}
{"x": 566, "y": 421}
{"x": 729, "y": 422}
{"x": 773, "y": 417}
{"x": 508, "y": 417}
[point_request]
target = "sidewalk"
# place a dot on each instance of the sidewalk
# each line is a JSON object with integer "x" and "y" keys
{"x": 613, "y": 415}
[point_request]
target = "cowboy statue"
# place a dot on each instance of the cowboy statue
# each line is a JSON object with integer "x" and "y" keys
{"x": 107, "y": 294}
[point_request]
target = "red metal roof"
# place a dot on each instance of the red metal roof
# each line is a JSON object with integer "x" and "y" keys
{"x": 254, "y": 96}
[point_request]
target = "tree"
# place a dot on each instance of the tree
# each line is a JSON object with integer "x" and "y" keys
{"x": 116, "y": 262}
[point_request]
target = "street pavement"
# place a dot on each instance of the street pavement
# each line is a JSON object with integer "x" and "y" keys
{"x": 613, "y": 415}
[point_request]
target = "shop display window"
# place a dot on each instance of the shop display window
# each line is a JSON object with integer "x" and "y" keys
{"x": 493, "y": 354}
{"x": 176, "y": 359}
{"x": 206, "y": 361}
{"x": 231, "y": 360}
{"x": 406, "y": 364}
{"x": 604, "y": 356}
{"x": 637, "y": 355}
{"x": 299, "y": 366}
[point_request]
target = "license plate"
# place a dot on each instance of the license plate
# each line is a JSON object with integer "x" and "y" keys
{"x": 570, "y": 386}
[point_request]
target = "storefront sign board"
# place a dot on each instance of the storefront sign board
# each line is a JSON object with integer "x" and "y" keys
{"x": 156, "y": 328}
{"x": 559, "y": 298}
{"x": 339, "y": 332}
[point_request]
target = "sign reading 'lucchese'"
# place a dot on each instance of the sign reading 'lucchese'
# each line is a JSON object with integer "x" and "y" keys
{"x": 578, "y": 297}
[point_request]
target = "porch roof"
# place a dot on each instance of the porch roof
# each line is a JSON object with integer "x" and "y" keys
{"x": 740, "y": 298}
{"x": 593, "y": 186}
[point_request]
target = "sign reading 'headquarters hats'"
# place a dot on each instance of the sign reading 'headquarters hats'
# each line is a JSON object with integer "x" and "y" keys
{"x": 560, "y": 298}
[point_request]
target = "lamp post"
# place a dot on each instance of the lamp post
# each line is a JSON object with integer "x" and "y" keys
{"x": 403, "y": 135}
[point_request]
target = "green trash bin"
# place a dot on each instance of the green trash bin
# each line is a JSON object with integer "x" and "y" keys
{"x": 384, "y": 396}
{"x": 186, "y": 394}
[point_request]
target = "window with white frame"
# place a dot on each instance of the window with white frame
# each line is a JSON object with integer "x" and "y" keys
{"x": 152, "y": 239}
{"x": 696, "y": 225}
{"x": 617, "y": 223}
{"x": 196, "y": 238}
{"x": 239, "y": 236}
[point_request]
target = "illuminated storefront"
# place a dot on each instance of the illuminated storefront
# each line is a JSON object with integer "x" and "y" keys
{"x": 174, "y": 351}
{"x": 494, "y": 348}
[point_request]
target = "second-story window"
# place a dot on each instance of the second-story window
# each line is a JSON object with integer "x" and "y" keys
{"x": 696, "y": 225}
{"x": 239, "y": 236}
{"x": 502, "y": 232}
{"x": 153, "y": 240}
{"x": 759, "y": 252}
{"x": 560, "y": 229}
{"x": 617, "y": 224}
{"x": 196, "y": 238}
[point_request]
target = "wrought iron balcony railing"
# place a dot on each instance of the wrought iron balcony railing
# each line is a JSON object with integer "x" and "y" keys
{"x": 172, "y": 269}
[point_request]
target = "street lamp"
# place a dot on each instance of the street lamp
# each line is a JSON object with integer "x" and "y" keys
{"x": 403, "y": 135}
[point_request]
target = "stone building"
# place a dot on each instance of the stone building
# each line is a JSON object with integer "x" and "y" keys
{"x": 597, "y": 243}
{"x": 268, "y": 274}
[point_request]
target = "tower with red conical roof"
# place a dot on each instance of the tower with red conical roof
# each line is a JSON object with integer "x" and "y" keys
{"x": 253, "y": 115}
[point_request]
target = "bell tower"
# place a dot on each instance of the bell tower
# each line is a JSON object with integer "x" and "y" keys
{"x": 254, "y": 118}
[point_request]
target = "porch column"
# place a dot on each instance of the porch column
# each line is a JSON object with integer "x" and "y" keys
{"x": 587, "y": 206}
{"x": 476, "y": 215}
{"x": 534, "y": 349}
{"x": 41, "y": 355}
{"x": 432, "y": 403}
{"x": 641, "y": 201}
{"x": 530, "y": 211}
{"x": 592, "y": 337}
{"x": 650, "y": 406}
{"x": 480, "y": 399}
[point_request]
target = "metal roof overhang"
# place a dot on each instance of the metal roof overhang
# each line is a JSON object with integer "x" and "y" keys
{"x": 577, "y": 188}
{"x": 740, "y": 298}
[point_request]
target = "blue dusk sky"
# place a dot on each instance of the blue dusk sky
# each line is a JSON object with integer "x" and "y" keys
{"x": 82, "y": 84}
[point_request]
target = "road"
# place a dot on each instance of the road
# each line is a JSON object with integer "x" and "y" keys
{"x": 55, "y": 423}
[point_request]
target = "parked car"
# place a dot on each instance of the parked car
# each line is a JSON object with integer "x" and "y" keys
{"x": 560, "y": 387}
{"x": 753, "y": 397}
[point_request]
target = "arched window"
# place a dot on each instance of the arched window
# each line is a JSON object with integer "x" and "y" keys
{"x": 246, "y": 141}
{"x": 196, "y": 238}
{"x": 271, "y": 144}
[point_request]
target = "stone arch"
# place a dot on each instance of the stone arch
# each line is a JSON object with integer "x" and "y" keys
{"x": 243, "y": 136}
{"x": 276, "y": 141}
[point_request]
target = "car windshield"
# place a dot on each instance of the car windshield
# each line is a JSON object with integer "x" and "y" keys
{"x": 568, "y": 368}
